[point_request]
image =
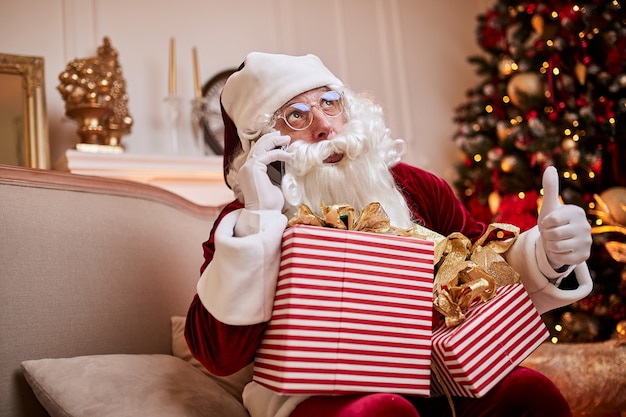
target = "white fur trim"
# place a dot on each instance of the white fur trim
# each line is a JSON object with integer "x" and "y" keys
{"x": 262, "y": 402}
{"x": 265, "y": 83}
{"x": 523, "y": 257}
{"x": 239, "y": 284}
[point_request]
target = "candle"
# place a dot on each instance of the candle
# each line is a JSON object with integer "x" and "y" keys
{"x": 196, "y": 74}
{"x": 172, "y": 84}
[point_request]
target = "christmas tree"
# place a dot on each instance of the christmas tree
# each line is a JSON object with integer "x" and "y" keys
{"x": 553, "y": 92}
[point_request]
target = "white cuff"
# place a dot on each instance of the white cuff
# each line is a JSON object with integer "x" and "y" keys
{"x": 254, "y": 221}
{"x": 239, "y": 284}
{"x": 555, "y": 277}
{"x": 523, "y": 257}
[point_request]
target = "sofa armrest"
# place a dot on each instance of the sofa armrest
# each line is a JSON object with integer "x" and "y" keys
{"x": 90, "y": 265}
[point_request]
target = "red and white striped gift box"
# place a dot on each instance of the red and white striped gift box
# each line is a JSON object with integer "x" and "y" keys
{"x": 352, "y": 313}
{"x": 496, "y": 336}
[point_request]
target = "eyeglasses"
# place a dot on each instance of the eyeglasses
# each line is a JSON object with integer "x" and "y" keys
{"x": 299, "y": 116}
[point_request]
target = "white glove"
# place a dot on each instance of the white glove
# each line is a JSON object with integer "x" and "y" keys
{"x": 564, "y": 229}
{"x": 258, "y": 191}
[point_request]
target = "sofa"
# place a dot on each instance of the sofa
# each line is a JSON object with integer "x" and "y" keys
{"x": 97, "y": 275}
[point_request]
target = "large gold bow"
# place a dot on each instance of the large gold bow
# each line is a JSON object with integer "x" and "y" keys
{"x": 469, "y": 272}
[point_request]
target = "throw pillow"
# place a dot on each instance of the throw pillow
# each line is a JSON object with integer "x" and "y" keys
{"x": 127, "y": 385}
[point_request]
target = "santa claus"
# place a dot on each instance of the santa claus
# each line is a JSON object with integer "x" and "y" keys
{"x": 336, "y": 148}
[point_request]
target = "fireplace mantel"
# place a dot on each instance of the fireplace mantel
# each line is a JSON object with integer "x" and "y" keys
{"x": 198, "y": 179}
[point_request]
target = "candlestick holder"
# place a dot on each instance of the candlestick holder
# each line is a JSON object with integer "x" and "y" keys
{"x": 199, "y": 107}
{"x": 172, "y": 107}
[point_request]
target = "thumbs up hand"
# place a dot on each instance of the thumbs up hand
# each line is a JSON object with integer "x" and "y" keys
{"x": 564, "y": 229}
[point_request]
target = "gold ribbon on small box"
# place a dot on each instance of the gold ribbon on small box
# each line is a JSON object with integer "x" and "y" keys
{"x": 469, "y": 272}
{"x": 464, "y": 272}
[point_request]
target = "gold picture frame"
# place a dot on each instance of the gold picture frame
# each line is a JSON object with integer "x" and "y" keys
{"x": 31, "y": 143}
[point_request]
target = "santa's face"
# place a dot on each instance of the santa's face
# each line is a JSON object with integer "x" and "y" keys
{"x": 341, "y": 160}
{"x": 322, "y": 126}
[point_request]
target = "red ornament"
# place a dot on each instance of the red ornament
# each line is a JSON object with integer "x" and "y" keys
{"x": 521, "y": 212}
{"x": 616, "y": 58}
{"x": 480, "y": 211}
{"x": 570, "y": 16}
{"x": 493, "y": 33}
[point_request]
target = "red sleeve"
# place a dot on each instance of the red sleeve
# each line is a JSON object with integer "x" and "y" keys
{"x": 222, "y": 349}
{"x": 433, "y": 202}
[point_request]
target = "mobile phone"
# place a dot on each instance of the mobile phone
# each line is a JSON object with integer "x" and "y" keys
{"x": 276, "y": 170}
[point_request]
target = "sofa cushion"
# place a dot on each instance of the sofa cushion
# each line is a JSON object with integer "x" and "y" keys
{"x": 127, "y": 385}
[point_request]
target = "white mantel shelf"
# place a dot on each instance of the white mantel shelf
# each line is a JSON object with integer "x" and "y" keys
{"x": 198, "y": 179}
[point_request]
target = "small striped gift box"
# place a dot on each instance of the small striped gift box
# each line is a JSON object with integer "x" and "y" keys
{"x": 496, "y": 336}
{"x": 352, "y": 313}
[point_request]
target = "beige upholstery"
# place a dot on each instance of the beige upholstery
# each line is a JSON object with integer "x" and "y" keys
{"x": 89, "y": 266}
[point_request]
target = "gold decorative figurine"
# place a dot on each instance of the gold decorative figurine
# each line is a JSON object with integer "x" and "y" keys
{"x": 94, "y": 92}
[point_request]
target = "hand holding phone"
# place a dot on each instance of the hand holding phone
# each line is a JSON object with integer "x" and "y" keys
{"x": 276, "y": 170}
{"x": 263, "y": 164}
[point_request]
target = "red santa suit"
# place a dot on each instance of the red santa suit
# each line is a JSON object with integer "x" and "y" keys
{"x": 235, "y": 292}
{"x": 227, "y": 317}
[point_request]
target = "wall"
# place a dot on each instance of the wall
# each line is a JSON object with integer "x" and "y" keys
{"x": 410, "y": 55}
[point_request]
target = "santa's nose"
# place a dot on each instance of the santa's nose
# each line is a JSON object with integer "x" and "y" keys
{"x": 321, "y": 127}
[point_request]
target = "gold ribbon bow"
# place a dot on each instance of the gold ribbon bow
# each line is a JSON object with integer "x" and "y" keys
{"x": 469, "y": 272}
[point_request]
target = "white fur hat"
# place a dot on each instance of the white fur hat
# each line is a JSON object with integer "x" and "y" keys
{"x": 265, "y": 83}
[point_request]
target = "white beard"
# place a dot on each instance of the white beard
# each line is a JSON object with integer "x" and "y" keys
{"x": 360, "y": 178}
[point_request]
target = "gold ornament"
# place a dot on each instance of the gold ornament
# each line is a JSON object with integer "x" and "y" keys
{"x": 506, "y": 66}
{"x": 526, "y": 90}
{"x": 581, "y": 72}
{"x": 620, "y": 329}
{"x": 94, "y": 92}
{"x": 503, "y": 130}
{"x": 568, "y": 144}
{"x": 494, "y": 202}
{"x": 614, "y": 200}
{"x": 611, "y": 210}
{"x": 508, "y": 164}
{"x": 537, "y": 23}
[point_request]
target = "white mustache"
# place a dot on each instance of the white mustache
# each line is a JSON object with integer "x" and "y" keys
{"x": 307, "y": 156}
